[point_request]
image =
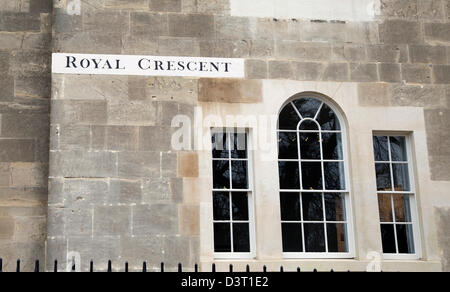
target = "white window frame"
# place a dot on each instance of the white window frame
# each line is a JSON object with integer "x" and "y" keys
{"x": 250, "y": 192}
{"x": 347, "y": 192}
{"x": 412, "y": 199}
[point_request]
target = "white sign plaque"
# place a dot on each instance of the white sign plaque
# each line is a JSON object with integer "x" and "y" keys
{"x": 147, "y": 65}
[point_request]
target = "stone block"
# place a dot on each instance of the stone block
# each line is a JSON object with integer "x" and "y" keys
{"x": 166, "y": 112}
{"x": 5, "y": 174}
{"x": 73, "y": 137}
{"x": 303, "y": 51}
{"x": 176, "y": 251}
{"x": 191, "y": 25}
{"x": 112, "y": 220}
{"x": 7, "y": 227}
{"x": 94, "y": 87}
{"x": 213, "y": 6}
{"x": 438, "y": 139}
{"x": 149, "y": 24}
{"x": 29, "y": 174}
{"x": 24, "y": 126}
{"x": 77, "y": 222}
{"x": 431, "y": 9}
{"x": 179, "y": 47}
{"x": 387, "y": 53}
{"x": 101, "y": 21}
{"x": 127, "y": 4}
{"x": 88, "y": 42}
{"x": 132, "y": 113}
{"x": 156, "y": 190}
{"x": 400, "y": 32}
{"x": 137, "y": 249}
{"x": 350, "y": 53}
{"x": 176, "y": 189}
{"x": 443, "y": 219}
{"x": 363, "y": 72}
{"x": 56, "y": 250}
{"x": 389, "y": 72}
{"x": 416, "y": 73}
{"x": 280, "y": 70}
{"x": 428, "y": 54}
{"x": 33, "y": 86}
{"x": 437, "y": 33}
{"x": 261, "y": 48}
{"x": 169, "y": 164}
{"x": 37, "y": 41}
{"x": 17, "y": 150}
{"x": 65, "y": 23}
{"x": 441, "y": 74}
{"x": 84, "y": 192}
{"x": 256, "y": 69}
{"x": 189, "y": 220}
{"x": 440, "y": 168}
{"x": 323, "y": 32}
{"x": 187, "y": 164}
{"x": 41, "y": 6}
{"x": 28, "y": 252}
{"x": 55, "y": 191}
{"x": 14, "y": 22}
{"x": 116, "y": 138}
{"x": 79, "y": 112}
{"x": 229, "y": 90}
{"x": 336, "y": 72}
{"x": 30, "y": 62}
{"x": 139, "y": 164}
{"x": 125, "y": 191}
{"x": 165, "y": 5}
{"x": 7, "y": 85}
{"x": 10, "y": 41}
{"x": 30, "y": 229}
{"x": 373, "y": 94}
{"x": 156, "y": 138}
{"x": 399, "y": 9}
{"x": 428, "y": 96}
{"x": 228, "y": 27}
{"x": 83, "y": 164}
{"x": 156, "y": 219}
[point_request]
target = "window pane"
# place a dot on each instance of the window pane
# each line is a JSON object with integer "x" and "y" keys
{"x": 220, "y": 146}
{"x": 241, "y": 237}
{"x": 307, "y": 107}
{"x": 221, "y": 174}
{"x": 327, "y": 119}
{"x": 385, "y": 207}
{"x": 334, "y": 175}
{"x": 309, "y": 146}
{"x": 239, "y": 145}
{"x": 398, "y": 148}
{"x": 337, "y": 237}
{"x": 314, "y": 237}
{"x": 288, "y": 119}
{"x": 289, "y": 175}
{"x": 292, "y": 237}
{"x": 312, "y": 175}
{"x": 221, "y": 206}
{"x": 388, "y": 238}
{"x": 240, "y": 206}
{"x": 332, "y": 146}
{"x": 402, "y": 208}
{"x": 308, "y": 125}
{"x": 383, "y": 171}
{"x": 312, "y": 207}
{"x": 401, "y": 177}
{"x": 287, "y": 145}
{"x": 290, "y": 206}
{"x": 335, "y": 207}
{"x": 380, "y": 147}
{"x": 240, "y": 178}
{"x": 222, "y": 237}
{"x": 405, "y": 239}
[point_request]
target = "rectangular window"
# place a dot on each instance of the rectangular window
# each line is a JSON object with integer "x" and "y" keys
{"x": 232, "y": 194}
{"x": 396, "y": 198}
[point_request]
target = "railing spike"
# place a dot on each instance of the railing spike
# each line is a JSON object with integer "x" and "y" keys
{"x": 162, "y": 267}
{"x": 213, "y": 268}
{"x": 126, "y": 267}
{"x": 144, "y": 267}
{"x": 299, "y": 270}
{"x": 332, "y": 271}
{"x": 247, "y": 269}
{"x": 231, "y": 268}
{"x": 109, "y": 266}
{"x": 55, "y": 266}
{"x": 315, "y": 270}
{"x": 196, "y": 267}
{"x": 265, "y": 269}
{"x": 36, "y": 266}
{"x": 180, "y": 268}
{"x": 281, "y": 269}
{"x": 1, "y": 265}
{"x": 91, "y": 266}
{"x": 74, "y": 268}
{"x": 18, "y": 266}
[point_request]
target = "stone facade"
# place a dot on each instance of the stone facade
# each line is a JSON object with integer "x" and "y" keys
{"x": 116, "y": 188}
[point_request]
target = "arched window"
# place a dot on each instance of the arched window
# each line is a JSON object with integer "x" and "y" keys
{"x": 313, "y": 188}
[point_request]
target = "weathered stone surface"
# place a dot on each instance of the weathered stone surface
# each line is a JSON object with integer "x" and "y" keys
{"x": 134, "y": 113}
{"x": 83, "y": 164}
{"x": 389, "y": 72}
{"x": 187, "y": 164}
{"x": 416, "y": 73}
{"x": 84, "y": 192}
{"x": 437, "y": 121}
{"x": 349, "y": 53}
{"x": 28, "y": 252}
{"x": 441, "y": 74}
{"x": 149, "y": 24}
{"x": 125, "y": 191}
{"x": 400, "y": 32}
{"x": 106, "y": 21}
{"x": 127, "y": 4}
{"x": 431, "y": 9}
{"x": 72, "y": 137}
{"x": 303, "y": 51}
{"x": 88, "y": 42}
{"x": 33, "y": 86}
{"x": 65, "y": 23}
{"x": 19, "y": 22}
{"x": 169, "y": 164}
{"x": 41, "y": 6}
{"x": 428, "y": 54}
{"x": 137, "y": 249}
{"x": 7, "y": 85}
{"x": 77, "y": 222}
{"x": 155, "y": 138}
{"x": 139, "y": 164}
{"x": 336, "y": 72}
{"x": 440, "y": 167}
{"x": 112, "y": 220}
{"x": 24, "y": 126}
{"x": 79, "y": 112}
{"x": 322, "y": 32}
{"x": 256, "y": 69}
{"x": 308, "y": 70}
{"x": 165, "y": 5}
{"x": 443, "y": 221}
{"x": 280, "y": 70}
{"x": 373, "y": 94}
{"x": 5, "y": 176}
{"x": 363, "y": 72}
{"x": 399, "y": 8}
{"x": 417, "y": 95}
{"x": 191, "y": 25}
{"x": 156, "y": 190}
{"x": 189, "y": 220}
{"x": 437, "y": 32}
{"x": 175, "y": 251}
{"x": 229, "y": 90}
{"x": 17, "y": 150}
{"x": 56, "y": 250}
{"x": 179, "y": 47}
{"x": 116, "y": 138}
{"x": 213, "y": 6}
{"x": 228, "y": 27}
{"x": 30, "y": 62}
{"x": 29, "y": 174}
{"x": 387, "y": 53}
{"x": 7, "y": 225}
{"x": 30, "y": 230}
{"x": 157, "y": 219}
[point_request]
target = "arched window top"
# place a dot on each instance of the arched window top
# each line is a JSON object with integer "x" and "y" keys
{"x": 306, "y": 113}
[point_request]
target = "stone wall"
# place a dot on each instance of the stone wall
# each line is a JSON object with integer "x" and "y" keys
{"x": 25, "y": 37}
{"x": 118, "y": 190}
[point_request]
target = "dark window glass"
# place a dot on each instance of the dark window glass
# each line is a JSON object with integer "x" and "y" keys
{"x": 335, "y": 207}
{"x": 239, "y": 145}
{"x": 334, "y": 175}
{"x": 402, "y": 208}
{"x": 388, "y": 238}
{"x": 288, "y": 148}
{"x": 221, "y": 174}
{"x": 309, "y": 146}
{"x": 307, "y": 107}
{"x": 312, "y": 207}
{"x": 383, "y": 172}
{"x": 221, "y": 204}
{"x": 290, "y": 206}
{"x": 312, "y": 175}
{"x": 289, "y": 175}
{"x": 398, "y": 148}
{"x": 332, "y": 146}
{"x": 328, "y": 120}
{"x": 241, "y": 237}
{"x": 401, "y": 177}
{"x": 220, "y": 145}
{"x": 337, "y": 237}
{"x": 308, "y": 125}
{"x": 240, "y": 206}
{"x": 292, "y": 237}
{"x": 380, "y": 147}
{"x": 222, "y": 237}
{"x": 288, "y": 119}
{"x": 314, "y": 237}
{"x": 385, "y": 207}
{"x": 239, "y": 170}
{"x": 405, "y": 239}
